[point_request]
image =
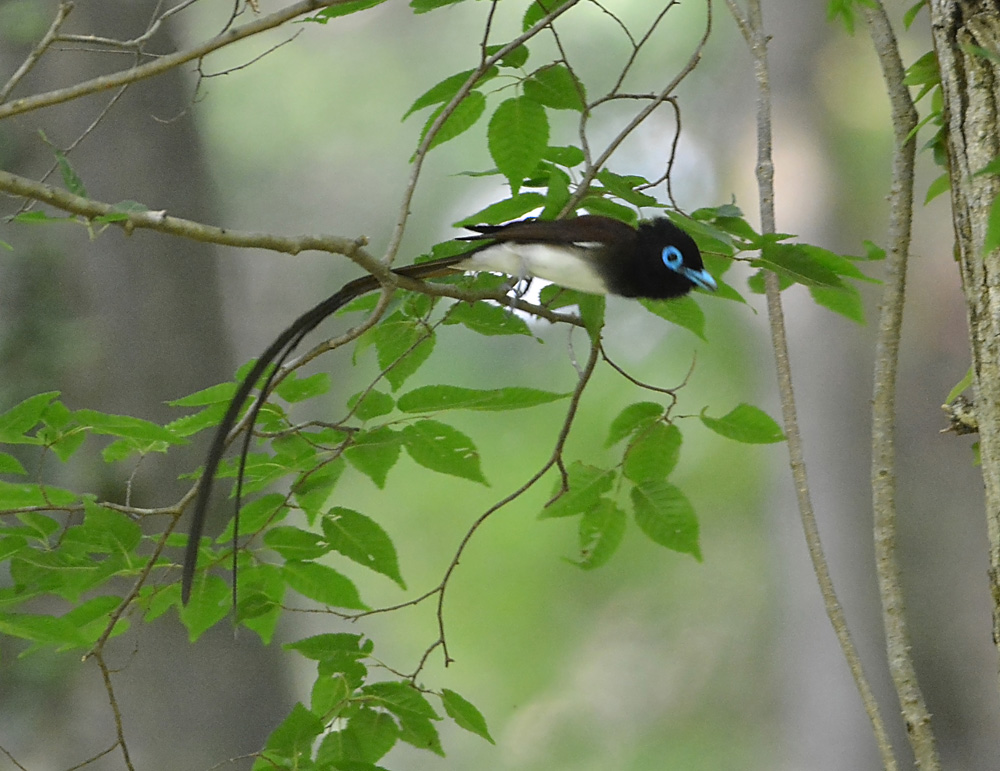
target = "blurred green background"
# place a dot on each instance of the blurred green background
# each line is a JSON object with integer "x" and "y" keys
{"x": 655, "y": 661}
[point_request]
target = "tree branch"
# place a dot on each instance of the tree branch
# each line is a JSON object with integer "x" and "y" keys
{"x": 163, "y": 63}
{"x": 970, "y": 86}
{"x": 883, "y": 466}
{"x": 752, "y": 26}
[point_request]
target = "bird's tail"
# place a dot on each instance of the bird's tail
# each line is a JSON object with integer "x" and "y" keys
{"x": 277, "y": 353}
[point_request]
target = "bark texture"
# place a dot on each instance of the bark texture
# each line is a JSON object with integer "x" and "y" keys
{"x": 970, "y": 83}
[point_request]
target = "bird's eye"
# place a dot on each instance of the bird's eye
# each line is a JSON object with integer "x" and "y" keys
{"x": 672, "y": 257}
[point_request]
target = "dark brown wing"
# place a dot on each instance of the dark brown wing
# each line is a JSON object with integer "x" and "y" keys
{"x": 590, "y": 228}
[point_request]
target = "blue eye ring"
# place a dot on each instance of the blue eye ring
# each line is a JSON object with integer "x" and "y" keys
{"x": 672, "y": 257}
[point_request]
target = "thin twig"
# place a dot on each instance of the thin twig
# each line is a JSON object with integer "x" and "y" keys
{"x": 396, "y": 239}
{"x": 164, "y": 63}
{"x": 883, "y": 466}
{"x": 752, "y": 27}
{"x": 36, "y": 53}
{"x": 639, "y": 118}
{"x": 116, "y": 712}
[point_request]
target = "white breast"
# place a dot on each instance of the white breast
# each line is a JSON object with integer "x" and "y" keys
{"x": 562, "y": 265}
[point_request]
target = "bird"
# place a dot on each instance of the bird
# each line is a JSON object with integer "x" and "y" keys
{"x": 590, "y": 253}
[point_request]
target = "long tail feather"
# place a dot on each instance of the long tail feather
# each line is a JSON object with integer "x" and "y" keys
{"x": 276, "y": 353}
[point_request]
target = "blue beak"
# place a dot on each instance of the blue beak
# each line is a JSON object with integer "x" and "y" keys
{"x": 700, "y": 278}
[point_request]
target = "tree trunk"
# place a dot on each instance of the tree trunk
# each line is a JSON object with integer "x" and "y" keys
{"x": 970, "y": 84}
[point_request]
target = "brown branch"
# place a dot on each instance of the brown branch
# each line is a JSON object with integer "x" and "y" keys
{"x": 163, "y": 63}
{"x": 38, "y": 51}
{"x": 115, "y": 711}
{"x": 640, "y": 117}
{"x": 883, "y": 465}
{"x": 421, "y": 153}
{"x": 752, "y": 27}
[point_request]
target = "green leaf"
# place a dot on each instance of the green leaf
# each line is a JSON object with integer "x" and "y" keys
{"x": 465, "y": 714}
{"x": 444, "y": 449}
{"x": 746, "y": 424}
{"x": 653, "y": 454}
{"x": 844, "y": 10}
{"x": 682, "y": 311}
{"x": 586, "y": 484}
{"x": 518, "y": 136}
{"x": 367, "y": 737}
{"x": 209, "y": 604}
{"x": 343, "y": 9}
{"x": 666, "y": 516}
{"x": 503, "y": 211}
{"x": 25, "y": 495}
{"x": 402, "y": 346}
{"x": 221, "y": 393}
{"x": 924, "y": 71}
{"x": 374, "y": 452}
{"x": 294, "y": 738}
{"x": 371, "y": 404}
{"x": 323, "y": 584}
{"x": 514, "y": 58}
{"x": 104, "y": 531}
{"x": 70, "y": 178}
{"x": 565, "y": 156}
{"x": 463, "y": 117}
{"x": 447, "y": 88}
{"x": 940, "y": 185}
{"x": 400, "y": 699}
{"x": 873, "y": 251}
{"x": 557, "y": 87}
{"x": 331, "y": 646}
{"x": 631, "y": 419}
{"x": 10, "y": 465}
{"x": 363, "y": 540}
{"x": 268, "y": 509}
{"x": 602, "y": 528}
{"x": 262, "y": 592}
{"x": 423, "y": 6}
{"x": 33, "y": 217}
{"x": 24, "y": 416}
{"x": 298, "y": 389}
{"x": 537, "y": 11}
{"x": 792, "y": 261}
{"x": 444, "y": 397}
{"x": 847, "y": 301}
{"x": 293, "y": 543}
{"x": 315, "y": 486}
{"x": 596, "y": 204}
{"x": 992, "y": 239}
{"x": 487, "y": 319}
{"x": 557, "y": 195}
{"x": 912, "y": 12}
{"x": 42, "y": 629}
{"x": 625, "y": 188}
{"x": 126, "y": 427}
{"x": 960, "y": 386}
{"x": 329, "y": 694}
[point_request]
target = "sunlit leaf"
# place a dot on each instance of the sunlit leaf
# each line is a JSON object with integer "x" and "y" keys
{"x": 465, "y": 714}
{"x": 444, "y": 397}
{"x": 363, "y": 540}
{"x": 586, "y": 485}
{"x": 665, "y": 515}
{"x": 518, "y": 137}
{"x": 323, "y": 584}
{"x": 442, "y": 448}
{"x": 746, "y": 423}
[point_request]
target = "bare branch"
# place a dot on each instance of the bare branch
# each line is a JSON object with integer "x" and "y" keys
{"x": 164, "y": 63}
{"x": 883, "y": 466}
{"x": 65, "y": 9}
{"x": 752, "y": 26}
